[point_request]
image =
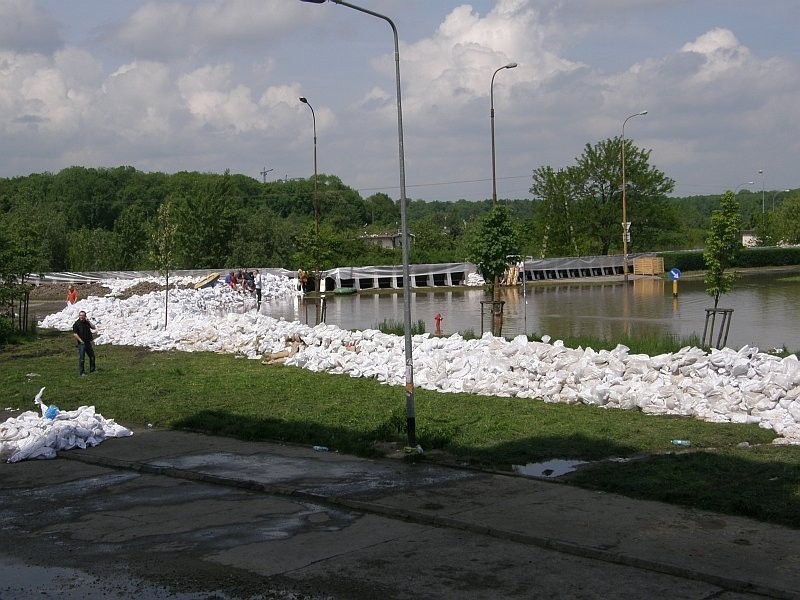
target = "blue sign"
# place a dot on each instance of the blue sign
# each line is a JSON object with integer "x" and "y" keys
{"x": 675, "y": 274}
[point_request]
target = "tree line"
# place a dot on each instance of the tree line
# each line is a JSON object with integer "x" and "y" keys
{"x": 94, "y": 219}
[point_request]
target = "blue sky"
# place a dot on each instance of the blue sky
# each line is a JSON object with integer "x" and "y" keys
{"x": 211, "y": 85}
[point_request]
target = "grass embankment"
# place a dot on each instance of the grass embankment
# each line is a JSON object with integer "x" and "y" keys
{"x": 225, "y": 395}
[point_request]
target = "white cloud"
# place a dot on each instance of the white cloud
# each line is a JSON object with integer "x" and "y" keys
{"x": 26, "y": 28}
{"x": 163, "y": 30}
{"x": 722, "y": 54}
{"x": 208, "y": 84}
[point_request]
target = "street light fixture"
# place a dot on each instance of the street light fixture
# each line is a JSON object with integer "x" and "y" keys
{"x": 736, "y": 189}
{"x": 511, "y": 65}
{"x": 625, "y": 202}
{"x": 305, "y": 101}
{"x": 763, "y": 180}
{"x": 410, "y": 410}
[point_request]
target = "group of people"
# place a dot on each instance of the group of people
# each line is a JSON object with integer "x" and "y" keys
{"x": 246, "y": 281}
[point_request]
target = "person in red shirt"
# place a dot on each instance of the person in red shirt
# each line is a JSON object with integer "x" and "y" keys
{"x": 72, "y": 294}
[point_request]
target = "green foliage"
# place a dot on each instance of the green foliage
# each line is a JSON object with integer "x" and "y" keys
{"x": 132, "y": 229}
{"x": 688, "y": 260}
{"x": 745, "y": 258}
{"x": 494, "y": 242}
{"x": 722, "y": 247}
{"x": 787, "y": 220}
{"x": 557, "y": 225}
{"x": 579, "y": 209}
{"x": 99, "y": 219}
{"x": 767, "y": 257}
{"x": 163, "y": 246}
{"x": 206, "y": 223}
{"x": 383, "y": 210}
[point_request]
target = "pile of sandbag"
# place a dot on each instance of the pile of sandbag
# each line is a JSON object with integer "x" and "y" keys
{"x": 31, "y": 435}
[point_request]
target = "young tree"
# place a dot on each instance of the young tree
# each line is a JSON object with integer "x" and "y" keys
{"x": 722, "y": 247}
{"x": 163, "y": 247}
{"x": 22, "y": 252}
{"x": 493, "y": 243}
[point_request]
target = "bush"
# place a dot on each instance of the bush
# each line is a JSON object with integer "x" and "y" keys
{"x": 692, "y": 260}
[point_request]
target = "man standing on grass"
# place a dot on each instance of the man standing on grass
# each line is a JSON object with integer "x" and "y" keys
{"x": 82, "y": 331}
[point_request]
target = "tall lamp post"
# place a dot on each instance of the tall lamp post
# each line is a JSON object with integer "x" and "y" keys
{"x": 496, "y": 283}
{"x": 410, "y": 410}
{"x": 625, "y": 202}
{"x": 511, "y": 65}
{"x": 305, "y": 101}
{"x": 763, "y": 181}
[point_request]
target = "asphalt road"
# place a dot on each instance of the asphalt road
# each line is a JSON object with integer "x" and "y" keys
{"x": 167, "y": 514}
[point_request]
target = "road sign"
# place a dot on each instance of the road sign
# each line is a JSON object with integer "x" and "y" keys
{"x": 675, "y": 274}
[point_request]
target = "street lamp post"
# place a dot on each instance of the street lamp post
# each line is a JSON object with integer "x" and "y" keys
{"x": 511, "y": 65}
{"x": 496, "y": 283}
{"x": 410, "y": 409}
{"x": 738, "y": 187}
{"x": 625, "y": 202}
{"x": 305, "y": 101}
{"x": 763, "y": 180}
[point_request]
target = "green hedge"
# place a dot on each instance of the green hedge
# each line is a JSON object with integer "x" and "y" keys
{"x": 685, "y": 260}
{"x": 692, "y": 260}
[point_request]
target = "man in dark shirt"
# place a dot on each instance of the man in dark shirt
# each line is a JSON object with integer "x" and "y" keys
{"x": 82, "y": 331}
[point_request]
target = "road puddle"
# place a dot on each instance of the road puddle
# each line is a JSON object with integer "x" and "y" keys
{"x": 548, "y": 469}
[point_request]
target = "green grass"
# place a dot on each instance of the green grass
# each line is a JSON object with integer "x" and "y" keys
{"x": 649, "y": 343}
{"x": 225, "y": 395}
{"x": 398, "y": 327}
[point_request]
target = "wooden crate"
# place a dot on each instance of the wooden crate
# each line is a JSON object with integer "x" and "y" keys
{"x": 648, "y": 265}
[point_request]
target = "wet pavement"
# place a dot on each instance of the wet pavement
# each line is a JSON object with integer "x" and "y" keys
{"x": 167, "y": 514}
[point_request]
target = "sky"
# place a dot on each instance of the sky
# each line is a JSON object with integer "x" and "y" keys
{"x": 210, "y": 85}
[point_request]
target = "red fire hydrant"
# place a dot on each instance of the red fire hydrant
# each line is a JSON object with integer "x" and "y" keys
{"x": 438, "y": 319}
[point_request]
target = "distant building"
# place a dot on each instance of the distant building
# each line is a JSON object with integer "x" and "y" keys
{"x": 390, "y": 240}
{"x": 749, "y": 238}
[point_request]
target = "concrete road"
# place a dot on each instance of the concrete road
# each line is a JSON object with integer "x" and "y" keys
{"x": 168, "y": 514}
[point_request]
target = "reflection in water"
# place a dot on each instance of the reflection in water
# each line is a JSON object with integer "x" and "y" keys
{"x": 766, "y": 314}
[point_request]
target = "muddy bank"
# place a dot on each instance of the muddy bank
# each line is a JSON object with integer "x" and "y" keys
{"x": 58, "y": 291}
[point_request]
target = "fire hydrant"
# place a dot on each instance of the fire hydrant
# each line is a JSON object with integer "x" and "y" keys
{"x": 438, "y": 319}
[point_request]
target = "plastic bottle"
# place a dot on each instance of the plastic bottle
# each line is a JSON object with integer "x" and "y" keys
{"x": 320, "y": 448}
{"x": 686, "y": 443}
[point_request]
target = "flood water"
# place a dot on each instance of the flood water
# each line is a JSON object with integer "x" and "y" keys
{"x": 766, "y": 310}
